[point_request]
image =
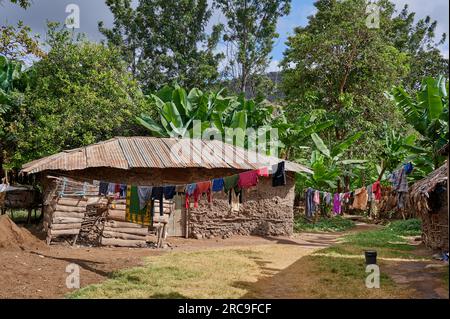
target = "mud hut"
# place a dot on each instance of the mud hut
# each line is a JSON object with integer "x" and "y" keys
{"x": 73, "y": 206}
{"x": 429, "y": 199}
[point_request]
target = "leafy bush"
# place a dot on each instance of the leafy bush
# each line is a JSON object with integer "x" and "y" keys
{"x": 410, "y": 227}
{"x": 335, "y": 224}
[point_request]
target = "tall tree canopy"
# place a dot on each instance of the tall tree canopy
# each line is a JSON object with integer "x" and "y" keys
{"x": 165, "y": 41}
{"x": 249, "y": 34}
{"x": 420, "y": 41}
{"x": 16, "y": 43}
{"x": 23, "y": 3}
{"x": 80, "y": 93}
{"x": 338, "y": 63}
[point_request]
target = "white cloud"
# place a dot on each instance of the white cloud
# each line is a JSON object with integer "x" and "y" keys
{"x": 273, "y": 66}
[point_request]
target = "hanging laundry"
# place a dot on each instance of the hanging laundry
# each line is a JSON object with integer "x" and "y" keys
{"x": 202, "y": 188}
{"x": 369, "y": 193}
{"x": 157, "y": 194}
{"x": 145, "y": 195}
{"x": 123, "y": 191}
{"x": 279, "y": 177}
{"x": 235, "y": 200}
{"x": 346, "y": 197}
{"x": 217, "y": 185}
{"x": 180, "y": 188}
{"x": 337, "y": 204}
{"x": 230, "y": 182}
{"x": 360, "y": 201}
{"x": 134, "y": 213}
{"x": 235, "y": 195}
{"x": 310, "y": 206}
{"x": 103, "y": 188}
{"x": 190, "y": 189}
{"x": 169, "y": 192}
{"x": 317, "y": 197}
{"x": 401, "y": 187}
{"x": 408, "y": 167}
{"x": 327, "y": 198}
{"x": 248, "y": 179}
{"x": 376, "y": 189}
{"x": 111, "y": 188}
{"x": 263, "y": 172}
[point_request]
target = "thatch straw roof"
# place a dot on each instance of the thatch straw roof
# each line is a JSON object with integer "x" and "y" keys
{"x": 444, "y": 150}
{"x": 419, "y": 193}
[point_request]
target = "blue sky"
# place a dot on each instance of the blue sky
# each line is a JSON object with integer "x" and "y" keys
{"x": 92, "y": 11}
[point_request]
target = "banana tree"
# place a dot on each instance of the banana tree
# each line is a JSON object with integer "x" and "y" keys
{"x": 328, "y": 165}
{"x": 427, "y": 112}
{"x": 10, "y": 73}
{"x": 179, "y": 111}
{"x": 294, "y": 135}
{"x": 395, "y": 150}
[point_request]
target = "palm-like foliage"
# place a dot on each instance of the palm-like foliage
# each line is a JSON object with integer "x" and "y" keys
{"x": 294, "y": 135}
{"x": 328, "y": 165}
{"x": 427, "y": 112}
{"x": 178, "y": 110}
{"x": 10, "y": 73}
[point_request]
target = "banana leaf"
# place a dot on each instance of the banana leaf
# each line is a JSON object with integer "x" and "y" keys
{"x": 320, "y": 145}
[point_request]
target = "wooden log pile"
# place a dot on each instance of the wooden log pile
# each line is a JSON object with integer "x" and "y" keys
{"x": 118, "y": 232}
{"x": 93, "y": 224}
{"x": 75, "y": 209}
{"x": 64, "y": 217}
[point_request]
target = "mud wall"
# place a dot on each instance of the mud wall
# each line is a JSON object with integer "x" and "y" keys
{"x": 265, "y": 211}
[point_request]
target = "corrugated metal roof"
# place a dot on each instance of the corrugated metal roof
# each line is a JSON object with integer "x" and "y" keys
{"x": 150, "y": 152}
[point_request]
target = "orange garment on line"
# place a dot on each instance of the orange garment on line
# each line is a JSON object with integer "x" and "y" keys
{"x": 361, "y": 198}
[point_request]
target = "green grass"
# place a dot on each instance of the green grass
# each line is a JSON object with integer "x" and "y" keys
{"x": 335, "y": 224}
{"x": 206, "y": 274}
{"x": 21, "y": 216}
{"x": 388, "y": 242}
{"x": 410, "y": 227}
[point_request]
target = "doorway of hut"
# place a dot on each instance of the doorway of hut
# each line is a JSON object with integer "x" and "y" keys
{"x": 176, "y": 226}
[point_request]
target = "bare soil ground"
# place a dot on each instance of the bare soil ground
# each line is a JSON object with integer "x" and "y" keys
{"x": 30, "y": 269}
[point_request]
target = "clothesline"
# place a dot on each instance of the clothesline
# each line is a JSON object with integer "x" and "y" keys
{"x": 360, "y": 196}
{"x": 138, "y": 198}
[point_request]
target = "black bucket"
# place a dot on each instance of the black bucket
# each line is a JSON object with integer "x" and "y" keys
{"x": 371, "y": 257}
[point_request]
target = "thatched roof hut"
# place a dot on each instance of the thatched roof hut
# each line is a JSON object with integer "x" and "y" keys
{"x": 428, "y": 197}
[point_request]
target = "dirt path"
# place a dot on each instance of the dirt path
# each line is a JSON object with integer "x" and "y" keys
{"x": 41, "y": 272}
{"x": 425, "y": 277}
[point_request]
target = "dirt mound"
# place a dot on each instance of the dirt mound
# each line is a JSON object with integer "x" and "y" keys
{"x": 13, "y": 236}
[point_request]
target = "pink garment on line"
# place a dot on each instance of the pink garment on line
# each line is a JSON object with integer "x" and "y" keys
{"x": 248, "y": 179}
{"x": 317, "y": 198}
{"x": 263, "y": 172}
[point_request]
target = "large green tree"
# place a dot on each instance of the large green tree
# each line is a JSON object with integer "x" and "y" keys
{"x": 81, "y": 93}
{"x": 420, "y": 41}
{"x": 249, "y": 34}
{"x": 337, "y": 63}
{"x": 165, "y": 41}
{"x": 17, "y": 43}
